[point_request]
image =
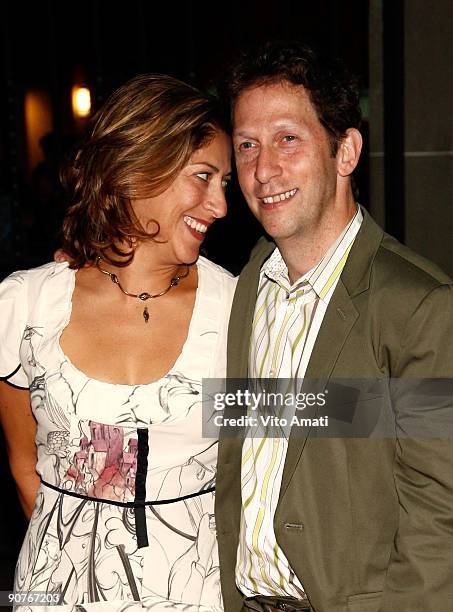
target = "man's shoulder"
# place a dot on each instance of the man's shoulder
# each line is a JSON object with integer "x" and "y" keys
{"x": 408, "y": 261}
{"x": 391, "y": 270}
{"x": 400, "y": 283}
{"x": 399, "y": 267}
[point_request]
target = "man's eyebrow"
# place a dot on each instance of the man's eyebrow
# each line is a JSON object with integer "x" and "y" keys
{"x": 277, "y": 124}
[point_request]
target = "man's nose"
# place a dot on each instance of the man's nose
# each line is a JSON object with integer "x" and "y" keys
{"x": 267, "y": 165}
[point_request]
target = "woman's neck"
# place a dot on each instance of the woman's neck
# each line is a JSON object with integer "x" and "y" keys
{"x": 148, "y": 269}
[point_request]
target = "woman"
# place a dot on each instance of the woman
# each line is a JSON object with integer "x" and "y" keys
{"x": 113, "y": 349}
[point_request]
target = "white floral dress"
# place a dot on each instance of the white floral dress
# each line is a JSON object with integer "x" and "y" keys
{"x": 124, "y": 516}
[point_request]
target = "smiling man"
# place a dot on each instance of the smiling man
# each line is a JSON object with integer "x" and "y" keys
{"x": 331, "y": 523}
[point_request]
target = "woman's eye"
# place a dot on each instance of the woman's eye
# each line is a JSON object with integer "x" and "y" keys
{"x": 225, "y": 183}
{"x": 203, "y": 175}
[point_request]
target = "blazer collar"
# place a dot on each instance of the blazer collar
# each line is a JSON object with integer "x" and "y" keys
{"x": 355, "y": 279}
{"x": 356, "y": 273}
{"x": 340, "y": 315}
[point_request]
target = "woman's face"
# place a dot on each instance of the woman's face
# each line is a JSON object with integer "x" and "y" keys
{"x": 187, "y": 208}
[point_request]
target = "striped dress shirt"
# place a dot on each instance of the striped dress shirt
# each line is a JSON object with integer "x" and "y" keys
{"x": 286, "y": 323}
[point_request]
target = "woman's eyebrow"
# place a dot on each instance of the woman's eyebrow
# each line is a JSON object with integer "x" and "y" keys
{"x": 212, "y": 166}
{"x": 205, "y": 163}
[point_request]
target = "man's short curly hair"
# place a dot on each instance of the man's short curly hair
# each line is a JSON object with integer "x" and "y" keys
{"x": 333, "y": 91}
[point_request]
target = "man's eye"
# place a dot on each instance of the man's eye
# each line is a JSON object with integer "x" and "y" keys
{"x": 244, "y": 146}
{"x": 289, "y": 138}
{"x": 203, "y": 175}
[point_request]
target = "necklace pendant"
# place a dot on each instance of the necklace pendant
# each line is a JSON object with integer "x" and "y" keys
{"x": 146, "y": 314}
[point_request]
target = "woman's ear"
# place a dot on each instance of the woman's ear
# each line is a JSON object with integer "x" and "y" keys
{"x": 348, "y": 152}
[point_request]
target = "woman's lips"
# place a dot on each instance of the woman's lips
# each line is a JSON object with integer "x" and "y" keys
{"x": 197, "y": 227}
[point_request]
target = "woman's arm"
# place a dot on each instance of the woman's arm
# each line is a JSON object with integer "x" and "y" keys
{"x": 19, "y": 427}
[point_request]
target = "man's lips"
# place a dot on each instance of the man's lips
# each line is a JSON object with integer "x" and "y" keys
{"x": 197, "y": 227}
{"x": 272, "y": 201}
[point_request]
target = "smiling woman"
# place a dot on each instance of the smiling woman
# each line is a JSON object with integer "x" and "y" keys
{"x": 110, "y": 347}
{"x": 142, "y": 139}
{"x": 192, "y": 202}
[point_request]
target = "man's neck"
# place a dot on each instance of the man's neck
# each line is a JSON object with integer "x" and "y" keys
{"x": 302, "y": 252}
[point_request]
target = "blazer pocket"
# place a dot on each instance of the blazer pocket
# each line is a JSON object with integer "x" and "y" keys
{"x": 365, "y": 602}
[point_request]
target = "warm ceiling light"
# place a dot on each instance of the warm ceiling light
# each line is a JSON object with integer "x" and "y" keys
{"x": 81, "y": 101}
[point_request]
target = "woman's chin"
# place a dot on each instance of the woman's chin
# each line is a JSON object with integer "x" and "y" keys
{"x": 188, "y": 255}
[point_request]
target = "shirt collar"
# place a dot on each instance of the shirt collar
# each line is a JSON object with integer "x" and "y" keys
{"x": 324, "y": 274}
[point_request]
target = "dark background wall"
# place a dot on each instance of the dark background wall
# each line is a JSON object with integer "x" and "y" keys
{"x": 411, "y": 125}
{"x": 49, "y": 46}
{"x": 400, "y": 51}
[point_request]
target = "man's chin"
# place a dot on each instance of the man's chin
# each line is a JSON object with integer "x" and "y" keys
{"x": 278, "y": 233}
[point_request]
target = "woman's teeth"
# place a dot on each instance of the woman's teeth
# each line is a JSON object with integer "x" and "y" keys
{"x": 279, "y": 197}
{"x": 196, "y": 225}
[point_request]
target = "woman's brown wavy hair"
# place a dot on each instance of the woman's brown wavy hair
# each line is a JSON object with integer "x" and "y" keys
{"x": 141, "y": 139}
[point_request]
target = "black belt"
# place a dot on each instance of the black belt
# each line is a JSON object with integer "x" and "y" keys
{"x": 269, "y": 603}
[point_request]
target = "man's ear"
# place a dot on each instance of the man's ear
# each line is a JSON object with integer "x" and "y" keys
{"x": 348, "y": 152}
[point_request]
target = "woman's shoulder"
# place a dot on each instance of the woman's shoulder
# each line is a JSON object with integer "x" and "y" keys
{"x": 27, "y": 300}
{"x": 33, "y": 279}
{"x": 216, "y": 272}
{"x": 217, "y": 283}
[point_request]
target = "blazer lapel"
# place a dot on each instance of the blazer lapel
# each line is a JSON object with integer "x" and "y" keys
{"x": 338, "y": 321}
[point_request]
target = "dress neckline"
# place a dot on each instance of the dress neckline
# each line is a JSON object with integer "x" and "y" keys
{"x": 193, "y": 323}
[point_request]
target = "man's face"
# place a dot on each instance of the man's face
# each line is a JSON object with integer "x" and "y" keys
{"x": 283, "y": 158}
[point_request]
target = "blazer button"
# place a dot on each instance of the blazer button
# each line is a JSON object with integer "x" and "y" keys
{"x": 297, "y": 526}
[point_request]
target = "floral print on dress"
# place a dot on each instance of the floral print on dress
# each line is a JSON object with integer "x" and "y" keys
{"x": 104, "y": 465}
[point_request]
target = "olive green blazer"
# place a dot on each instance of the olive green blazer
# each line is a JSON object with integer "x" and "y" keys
{"x": 365, "y": 523}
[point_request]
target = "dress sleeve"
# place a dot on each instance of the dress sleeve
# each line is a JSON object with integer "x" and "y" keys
{"x": 13, "y": 309}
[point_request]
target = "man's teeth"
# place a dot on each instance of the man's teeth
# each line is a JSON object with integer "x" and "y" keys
{"x": 279, "y": 197}
{"x": 196, "y": 225}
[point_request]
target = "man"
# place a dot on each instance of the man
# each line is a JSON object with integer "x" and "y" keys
{"x": 339, "y": 524}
